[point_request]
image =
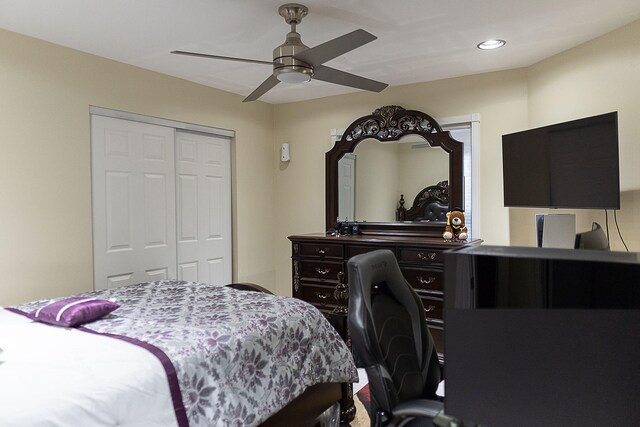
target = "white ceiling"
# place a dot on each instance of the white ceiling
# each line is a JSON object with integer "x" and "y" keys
{"x": 418, "y": 40}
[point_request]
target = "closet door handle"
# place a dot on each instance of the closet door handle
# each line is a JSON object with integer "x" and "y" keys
{"x": 421, "y": 279}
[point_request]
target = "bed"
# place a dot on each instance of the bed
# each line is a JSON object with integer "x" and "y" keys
{"x": 431, "y": 204}
{"x": 201, "y": 355}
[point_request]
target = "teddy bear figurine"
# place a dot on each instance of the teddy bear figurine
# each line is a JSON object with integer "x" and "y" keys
{"x": 455, "y": 229}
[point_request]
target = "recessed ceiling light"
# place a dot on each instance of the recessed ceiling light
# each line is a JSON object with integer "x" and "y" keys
{"x": 491, "y": 44}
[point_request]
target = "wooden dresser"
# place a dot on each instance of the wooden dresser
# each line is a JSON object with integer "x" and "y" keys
{"x": 318, "y": 258}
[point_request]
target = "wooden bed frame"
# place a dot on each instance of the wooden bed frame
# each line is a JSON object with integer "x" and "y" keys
{"x": 307, "y": 407}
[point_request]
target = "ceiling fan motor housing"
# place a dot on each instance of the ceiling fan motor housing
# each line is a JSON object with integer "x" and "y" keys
{"x": 289, "y": 69}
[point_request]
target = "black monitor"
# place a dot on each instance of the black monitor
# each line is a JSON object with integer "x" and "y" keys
{"x": 542, "y": 337}
{"x": 566, "y": 165}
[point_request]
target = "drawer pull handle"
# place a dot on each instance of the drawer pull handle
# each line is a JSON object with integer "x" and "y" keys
{"x": 421, "y": 279}
{"x": 427, "y": 257}
{"x": 321, "y": 251}
{"x": 322, "y": 271}
{"x": 430, "y": 308}
{"x": 322, "y": 295}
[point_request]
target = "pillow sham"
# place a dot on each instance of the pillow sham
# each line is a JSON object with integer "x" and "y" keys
{"x": 73, "y": 311}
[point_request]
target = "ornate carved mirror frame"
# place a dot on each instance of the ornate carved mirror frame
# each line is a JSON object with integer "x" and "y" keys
{"x": 391, "y": 123}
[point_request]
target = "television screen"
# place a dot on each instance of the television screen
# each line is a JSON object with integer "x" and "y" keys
{"x": 565, "y": 165}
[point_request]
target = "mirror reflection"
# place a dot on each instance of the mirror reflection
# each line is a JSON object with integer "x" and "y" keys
{"x": 372, "y": 179}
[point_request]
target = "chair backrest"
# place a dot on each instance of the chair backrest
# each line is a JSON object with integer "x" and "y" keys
{"x": 593, "y": 239}
{"x": 389, "y": 332}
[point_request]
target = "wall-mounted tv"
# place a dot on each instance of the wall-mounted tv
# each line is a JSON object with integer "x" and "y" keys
{"x": 566, "y": 165}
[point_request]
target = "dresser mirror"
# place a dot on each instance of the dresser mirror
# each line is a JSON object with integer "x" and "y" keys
{"x": 392, "y": 153}
{"x": 368, "y": 192}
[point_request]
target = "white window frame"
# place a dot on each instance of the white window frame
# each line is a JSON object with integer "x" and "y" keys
{"x": 473, "y": 120}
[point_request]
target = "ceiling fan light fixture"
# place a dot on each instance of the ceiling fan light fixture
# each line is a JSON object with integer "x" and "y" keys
{"x": 293, "y": 74}
{"x": 491, "y": 44}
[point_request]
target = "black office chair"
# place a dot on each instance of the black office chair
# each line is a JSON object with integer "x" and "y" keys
{"x": 391, "y": 341}
{"x": 594, "y": 239}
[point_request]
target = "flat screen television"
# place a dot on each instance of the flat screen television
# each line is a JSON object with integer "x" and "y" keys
{"x": 571, "y": 165}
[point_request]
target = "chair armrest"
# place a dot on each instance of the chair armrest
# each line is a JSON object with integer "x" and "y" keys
{"x": 423, "y": 408}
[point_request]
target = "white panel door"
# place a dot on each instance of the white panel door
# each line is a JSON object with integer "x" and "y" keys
{"x": 203, "y": 181}
{"x": 133, "y": 190}
{"x": 347, "y": 187}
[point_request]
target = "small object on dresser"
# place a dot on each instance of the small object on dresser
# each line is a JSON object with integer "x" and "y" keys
{"x": 335, "y": 231}
{"x": 355, "y": 228}
{"x": 455, "y": 229}
{"x": 345, "y": 228}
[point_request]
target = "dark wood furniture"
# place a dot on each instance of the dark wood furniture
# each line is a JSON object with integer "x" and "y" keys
{"x": 386, "y": 124}
{"x": 304, "y": 409}
{"x": 251, "y": 287}
{"x": 318, "y": 260}
{"x": 416, "y": 242}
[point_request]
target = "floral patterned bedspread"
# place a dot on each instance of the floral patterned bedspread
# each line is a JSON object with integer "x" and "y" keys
{"x": 239, "y": 356}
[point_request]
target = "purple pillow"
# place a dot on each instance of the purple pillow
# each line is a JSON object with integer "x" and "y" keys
{"x": 73, "y": 311}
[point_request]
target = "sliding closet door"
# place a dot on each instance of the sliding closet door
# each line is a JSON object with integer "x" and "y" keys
{"x": 203, "y": 182}
{"x": 134, "y": 220}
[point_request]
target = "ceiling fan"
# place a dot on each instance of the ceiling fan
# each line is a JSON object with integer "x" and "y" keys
{"x": 293, "y": 62}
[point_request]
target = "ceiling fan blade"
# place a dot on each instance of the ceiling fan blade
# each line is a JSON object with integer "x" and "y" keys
{"x": 331, "y": 75}
{"x": 229, "y": 58}
{"x": 333, "y": 48}
{"x": 262, "y": 89}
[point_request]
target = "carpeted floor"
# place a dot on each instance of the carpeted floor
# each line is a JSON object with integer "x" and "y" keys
{"x": 361, "y": 400}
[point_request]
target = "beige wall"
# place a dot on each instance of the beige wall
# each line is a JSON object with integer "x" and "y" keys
{"x": 597, "y": 77}
{"x": 421, "y": 167}
{"x": 45, "y": 214}
{"x": 384, "y": 171}
{"x": 376, "y": 186}
{"x": 600, "y": 76}
{"x": 500, "y": 98}
{"x": 45, "y": 188}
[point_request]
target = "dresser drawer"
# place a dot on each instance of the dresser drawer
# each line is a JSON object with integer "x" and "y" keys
{"x": 423, "y": 279}
{"x": 357, "y": 250}
{"x": 319, "y": 295}
{"x": 423, "y": 256}
{"x": 432, "y": 309}
{"x": 322, "y": 250}
{"x": 320, "y": 270}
